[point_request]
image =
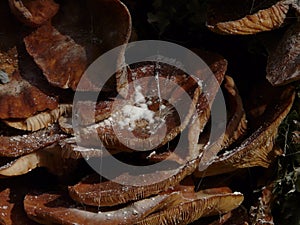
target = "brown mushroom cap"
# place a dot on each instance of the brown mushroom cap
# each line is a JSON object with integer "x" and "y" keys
{"x": 283, "y": 63}
{"x": 73, "y": 42}
{"x": 91, "y": 191}
{"x": 195, "y": 205}
{"x": 18, "y": 98}
{"x": 256, "y": 150}
{"x": 55, "y": 208}
{"x": 33, "y": 13}
{"x": 14, "y": 145}
{"x": 62, "y": 60}
{"x": 236, "y": 18}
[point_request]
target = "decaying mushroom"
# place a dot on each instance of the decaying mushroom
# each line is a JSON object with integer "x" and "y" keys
{"x": 248, "y": 18}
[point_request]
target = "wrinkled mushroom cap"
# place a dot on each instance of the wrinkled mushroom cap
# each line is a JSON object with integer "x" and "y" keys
{"x": 236, "y": 18}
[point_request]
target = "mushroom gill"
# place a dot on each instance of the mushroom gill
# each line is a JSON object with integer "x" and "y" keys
{"x": 41, "y": 120}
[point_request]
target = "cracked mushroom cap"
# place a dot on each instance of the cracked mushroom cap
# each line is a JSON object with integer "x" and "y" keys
{"x": 33, "y": 13}
{"x": 245, "y": 18}
{"x": 283, "y": 64}
{"x": 257, "y": 148}
{"x": 78, "y": 35}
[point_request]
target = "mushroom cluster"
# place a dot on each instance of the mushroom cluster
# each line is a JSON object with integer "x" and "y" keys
{"x": 45, "y": 48}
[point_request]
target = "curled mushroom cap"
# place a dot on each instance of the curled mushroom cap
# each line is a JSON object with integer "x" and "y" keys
{"x": 33, "y": 13}
{"x": 56, "y": 208}
{"x": 79, "y": 34}
{"x": 283, "y": 63}
{"x": 235, "y": 18}
{"x": 255, "y": 150}
{"x": 236, "y": 121}
{"x": 195, "y": 205}
{"x": 91, "y": 191}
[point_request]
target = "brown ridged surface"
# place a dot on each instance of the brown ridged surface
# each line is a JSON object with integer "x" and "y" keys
{"x": 225, "y": 21}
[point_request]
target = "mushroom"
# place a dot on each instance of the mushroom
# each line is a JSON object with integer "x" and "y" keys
{"x": 236, "y": 18}
{"x": 91, "y": 191}
{"x": 195, "y": 205}
{"x": 283, "y": 63}
{"x": 33, "y": 13}
{"x": 58, "y": 209}
{"x": 255, "y": 150}
{"x": 52, "y": 51}
{"x": 142, "y": 113}
{"x": 55, "y": 46}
